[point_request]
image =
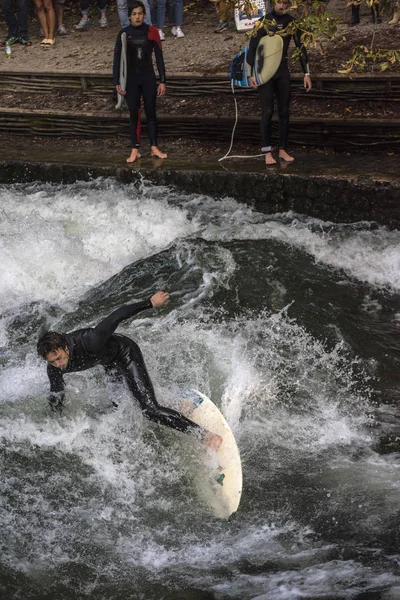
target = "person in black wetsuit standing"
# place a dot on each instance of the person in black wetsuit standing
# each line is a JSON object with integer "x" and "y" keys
{"x": 279, "y": 85}
{"x": 142, "y": 41}
{"x": 119, "y": 355}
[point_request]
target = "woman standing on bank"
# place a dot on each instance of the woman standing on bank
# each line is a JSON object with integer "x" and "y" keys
{"x": 142, "y": 41}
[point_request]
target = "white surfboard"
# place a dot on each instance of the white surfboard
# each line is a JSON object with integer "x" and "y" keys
{"x": 267, "y": 60}
{"x": 123, "y": 65}
{"x": 218, "y": 475}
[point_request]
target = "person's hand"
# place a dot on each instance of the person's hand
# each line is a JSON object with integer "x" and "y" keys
{"x": 252, "y": 82}
{"x": 162, "y": 90}
{"x": 159, "y": 299}
{"x": 307, "y": 83}
{"x": 56, "y": 403}
{"x": 120, "y": 90}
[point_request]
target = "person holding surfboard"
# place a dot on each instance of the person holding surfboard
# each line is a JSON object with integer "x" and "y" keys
{"x": 121, "y": 357}
{"x": 278, "y": 22}
{"x": 142, "y": 41}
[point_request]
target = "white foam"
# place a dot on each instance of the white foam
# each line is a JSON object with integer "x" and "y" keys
{"x": 58, "y": 241}
{"x": 371, "y": 256}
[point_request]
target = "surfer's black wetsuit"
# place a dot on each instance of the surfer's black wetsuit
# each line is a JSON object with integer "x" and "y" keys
{"x": 279, "y": 85}
{"x": 117, "y": 353}
{"x": 142, "y": 41}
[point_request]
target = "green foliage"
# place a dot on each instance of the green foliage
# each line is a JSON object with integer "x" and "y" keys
{"x": 319, "y": 27}
{"x": 364, "y": 57}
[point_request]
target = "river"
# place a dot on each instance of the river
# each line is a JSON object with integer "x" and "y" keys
{"x": 291, "y": 326}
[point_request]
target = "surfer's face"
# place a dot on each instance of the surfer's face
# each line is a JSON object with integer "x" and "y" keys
{"x": 137, "y": 17}
{"x": 58, "y": 358}
{"x": 281, "y": 7}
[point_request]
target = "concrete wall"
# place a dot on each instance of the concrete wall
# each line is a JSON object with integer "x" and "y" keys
{"x": 334, "y": 198}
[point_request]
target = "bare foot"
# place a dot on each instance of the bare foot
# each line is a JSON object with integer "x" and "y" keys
{"x": 212, "y": 441}
{"x": 283, "y": 155}
{"x": 269, "y": 159}
{"x": 135, "y": 154}
{"x": 156, "y": 153}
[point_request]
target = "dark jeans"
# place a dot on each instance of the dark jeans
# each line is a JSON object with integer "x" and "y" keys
{"x": 101, "y": 5}
{"x": 17, "y": 24}
{"x": 278, "y": 87}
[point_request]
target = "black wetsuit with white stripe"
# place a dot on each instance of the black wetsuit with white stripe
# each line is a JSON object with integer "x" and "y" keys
{"x": 117, "y": 354}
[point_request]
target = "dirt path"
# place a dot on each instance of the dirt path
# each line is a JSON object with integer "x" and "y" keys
{"x": 200, "y": 51}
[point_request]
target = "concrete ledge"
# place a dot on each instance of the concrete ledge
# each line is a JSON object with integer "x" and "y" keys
{"x": 338, "y": 197}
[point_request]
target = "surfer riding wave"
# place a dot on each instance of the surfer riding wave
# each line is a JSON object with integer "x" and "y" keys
{"x": 119, "y": 355}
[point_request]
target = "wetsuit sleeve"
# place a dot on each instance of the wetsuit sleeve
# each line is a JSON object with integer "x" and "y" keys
{"x": 117, "y": 59}
{"x": 57, "y": 385}
{"x": 104, "y": 330}
{"x": 303, "y": 52}
{"x": 155, "y": 37}
{"x": 254, "y": 41}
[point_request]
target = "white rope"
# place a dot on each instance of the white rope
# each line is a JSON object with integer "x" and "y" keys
{"x": 233, "y": 132}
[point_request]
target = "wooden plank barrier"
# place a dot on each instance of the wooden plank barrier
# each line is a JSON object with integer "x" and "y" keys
{"x": 359, "y": 87}
{"x": 339, "y": 134}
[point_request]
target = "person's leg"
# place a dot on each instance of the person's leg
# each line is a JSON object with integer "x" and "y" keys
{"x": 266, "y": 93}
{"x": 222, "y": 13}
{"x": 161, "y": 5}
{"x": 153, "y": 12}
{"x": 283, "y": 93}
{"x": 22, "y": 18}
{"x": 50, "y": 18}
{"x": 59, "y": 10}
{"x": 41, "y": 15}
{"x": 396, "y": 13}
{"x": 355, "y": 14}
{"x": 102, "y": 6}
{"x": 131, "y": 364}
{"x": 122, "y": 6}
{"x": 175, "y": 16}
{"x": 149, "y": 102}
{"x": 376, "y": 18}
{"x": 133, "y": 95}
{"x": 11, "y": 20}
{"x": 85, "y": 22}
{"x": 148, "y": 15}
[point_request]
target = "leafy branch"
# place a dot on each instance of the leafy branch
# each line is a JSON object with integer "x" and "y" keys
{"x": 364, "y": 56}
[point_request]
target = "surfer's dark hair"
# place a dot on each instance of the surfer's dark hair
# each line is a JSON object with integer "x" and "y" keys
{"x": 136, "y": 4}
{"x": 50, "y": 342}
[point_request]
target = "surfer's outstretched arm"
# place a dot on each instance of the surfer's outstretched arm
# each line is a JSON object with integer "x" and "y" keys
{"x": 104, "y": 330}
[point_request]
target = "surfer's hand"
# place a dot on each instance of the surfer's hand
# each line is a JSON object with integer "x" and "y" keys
{"x": 159, "y": 299}
{"x": 162, "y": 90}
{"x": 212, "y": 440}
{"x": 252, "y": 82}
{"x": 120, "y": 90}
{"x": 55, "y": 404}
{"x": 307, "y": 83}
